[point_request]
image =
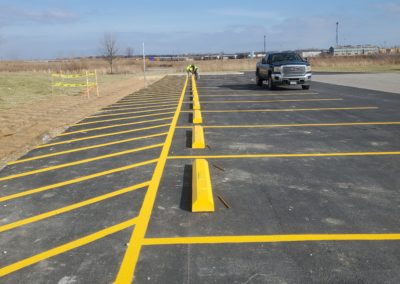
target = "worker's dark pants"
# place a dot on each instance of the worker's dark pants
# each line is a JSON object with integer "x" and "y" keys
{"x": 196, "y": 75}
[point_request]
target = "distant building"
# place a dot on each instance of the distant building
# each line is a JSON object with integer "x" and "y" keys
{"x": 211, "y": 57}
{"x": 207, "y": 57}
{"x": 259, "y": 54}
{"x": 171, "y": 58}
{"x": 392, "y": 50}
{"x": 308, "y": 54}
{"x": 229, "y": 56}
{"x": 351, "y": 50}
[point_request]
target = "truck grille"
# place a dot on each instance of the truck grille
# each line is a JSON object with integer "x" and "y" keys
{"x": 292, "y": 70}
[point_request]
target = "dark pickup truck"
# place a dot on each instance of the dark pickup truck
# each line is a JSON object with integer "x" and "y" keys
{"x": 283, "y": 68}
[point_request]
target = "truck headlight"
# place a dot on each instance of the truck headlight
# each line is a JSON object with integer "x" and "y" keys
{"x": 277, "y": 69}
{"x": 308, "y": 68}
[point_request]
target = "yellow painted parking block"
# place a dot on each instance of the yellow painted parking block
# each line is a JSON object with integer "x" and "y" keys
{"x": 197, "y": 119}
{"x": 196, "y": 103}
{"x": 202, "y": 197}
{"x": 198, "y": 137}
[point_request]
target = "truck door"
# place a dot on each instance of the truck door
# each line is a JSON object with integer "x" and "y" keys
{"x": 264, "y": 68}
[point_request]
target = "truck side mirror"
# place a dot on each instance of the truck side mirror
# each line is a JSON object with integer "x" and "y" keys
{"x": 263, "y": 61}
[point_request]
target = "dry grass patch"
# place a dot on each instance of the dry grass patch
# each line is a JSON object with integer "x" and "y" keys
{"x": 371, "y": 63}
{"x": 30, "y": 115}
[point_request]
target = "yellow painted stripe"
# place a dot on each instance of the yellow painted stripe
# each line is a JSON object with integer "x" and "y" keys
{"x": 87, "y": 148}
{"x": 68, "y": 208}
{"x": 122, "y": 118}
{"x": 130, "y": 112}
{"x": 147, "y": 99}
{"x": 146, "y": 94}
{"x": 288, "y": 109}
{"x": 103, "y": 135}
{"x": 269, "y": 239}
{"x": 76, "y": 180}
{"x": 129, "y": 105}
{"x": 261, "y": 95}
{"x": 136, "y": 108}
{"x": 297, "y": 125}
{"x": 125, "y": 274}
{"x": 117, "y": 106}
{"x": 149, "y": 95}
{"x": 61, "y": 166}
{"x": 66, "y": 247}
{"x": 300, "y": 155}
{"x": 266, "y": 101}
{"x": 132, "y": 102}
{"x": 113, "y": 126}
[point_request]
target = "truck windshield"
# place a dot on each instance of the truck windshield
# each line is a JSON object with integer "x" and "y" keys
{"x": 285, "y": 57}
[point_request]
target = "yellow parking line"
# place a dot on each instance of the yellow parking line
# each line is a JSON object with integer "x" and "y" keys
{"x": 286, "y": 109}
{"x": 261, "y": 95}
{"x": 71, "y": 207}
{"x": 132, "y": 102}
{"x": 267, "y": 101}
{"x": 300, "y": 155}
{"x": 67, "y": 247}
{"x": 149, "y": 96}
{"x": 269, "y": 239}
{"x": 129, "y": 105}
{"x": 131, "y": 256}
{"x": 159, "y": 99}
{"x": 112, "y": 126}
{"x": 130, "y": 112}
{"x": 156, "y": 102}
{"x": 145, "y": 99}
{"x": 296, "y": 125}
{"x": 122, "y": 118}
{"x": 135, "y": 108}
{"x": 103, "y": 135}
{"x": 76, "y": 180}
{"x": 138, "y": 95}
{"x": 86, "y": 148}
{"x": 153, "y": 95}
{"x": 61, "y": 166}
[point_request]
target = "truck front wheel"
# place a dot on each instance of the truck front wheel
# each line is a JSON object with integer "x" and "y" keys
{"x": 259, "y": 81}
{"x": 271, "y": 85}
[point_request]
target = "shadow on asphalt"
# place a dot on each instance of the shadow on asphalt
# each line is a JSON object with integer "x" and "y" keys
{"x": 186, "y": 195}
{"x": 189, "y": 139}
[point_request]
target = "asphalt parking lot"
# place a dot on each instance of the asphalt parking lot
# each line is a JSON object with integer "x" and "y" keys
{"x": 310, "y": 179}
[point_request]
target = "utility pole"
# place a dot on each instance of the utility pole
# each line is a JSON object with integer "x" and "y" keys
{"x": 144, "y": 67}
{"x": 265, "y": 43}
{"x": 337, "y": 33}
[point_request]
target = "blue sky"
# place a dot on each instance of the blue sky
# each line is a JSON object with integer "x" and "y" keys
{"x": 41, "y": 29}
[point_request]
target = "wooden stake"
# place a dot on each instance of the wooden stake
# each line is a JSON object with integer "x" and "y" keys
{"x": 87, "y": 85}
{"x": 97, "y": 85}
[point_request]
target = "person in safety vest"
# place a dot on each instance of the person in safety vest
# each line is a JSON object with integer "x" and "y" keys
{"x": 193, "y": 69}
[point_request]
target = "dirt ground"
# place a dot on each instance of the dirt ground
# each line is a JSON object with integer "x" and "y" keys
{"x": 28, "y": 125}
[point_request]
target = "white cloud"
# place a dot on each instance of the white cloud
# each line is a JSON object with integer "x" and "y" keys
{"x": 11, "y": 15}
{"x": 233, "y": 12}
{"x": 51, "y": 14}
{"x": 303, "y": 32}
{"x": 389, "y": 7}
